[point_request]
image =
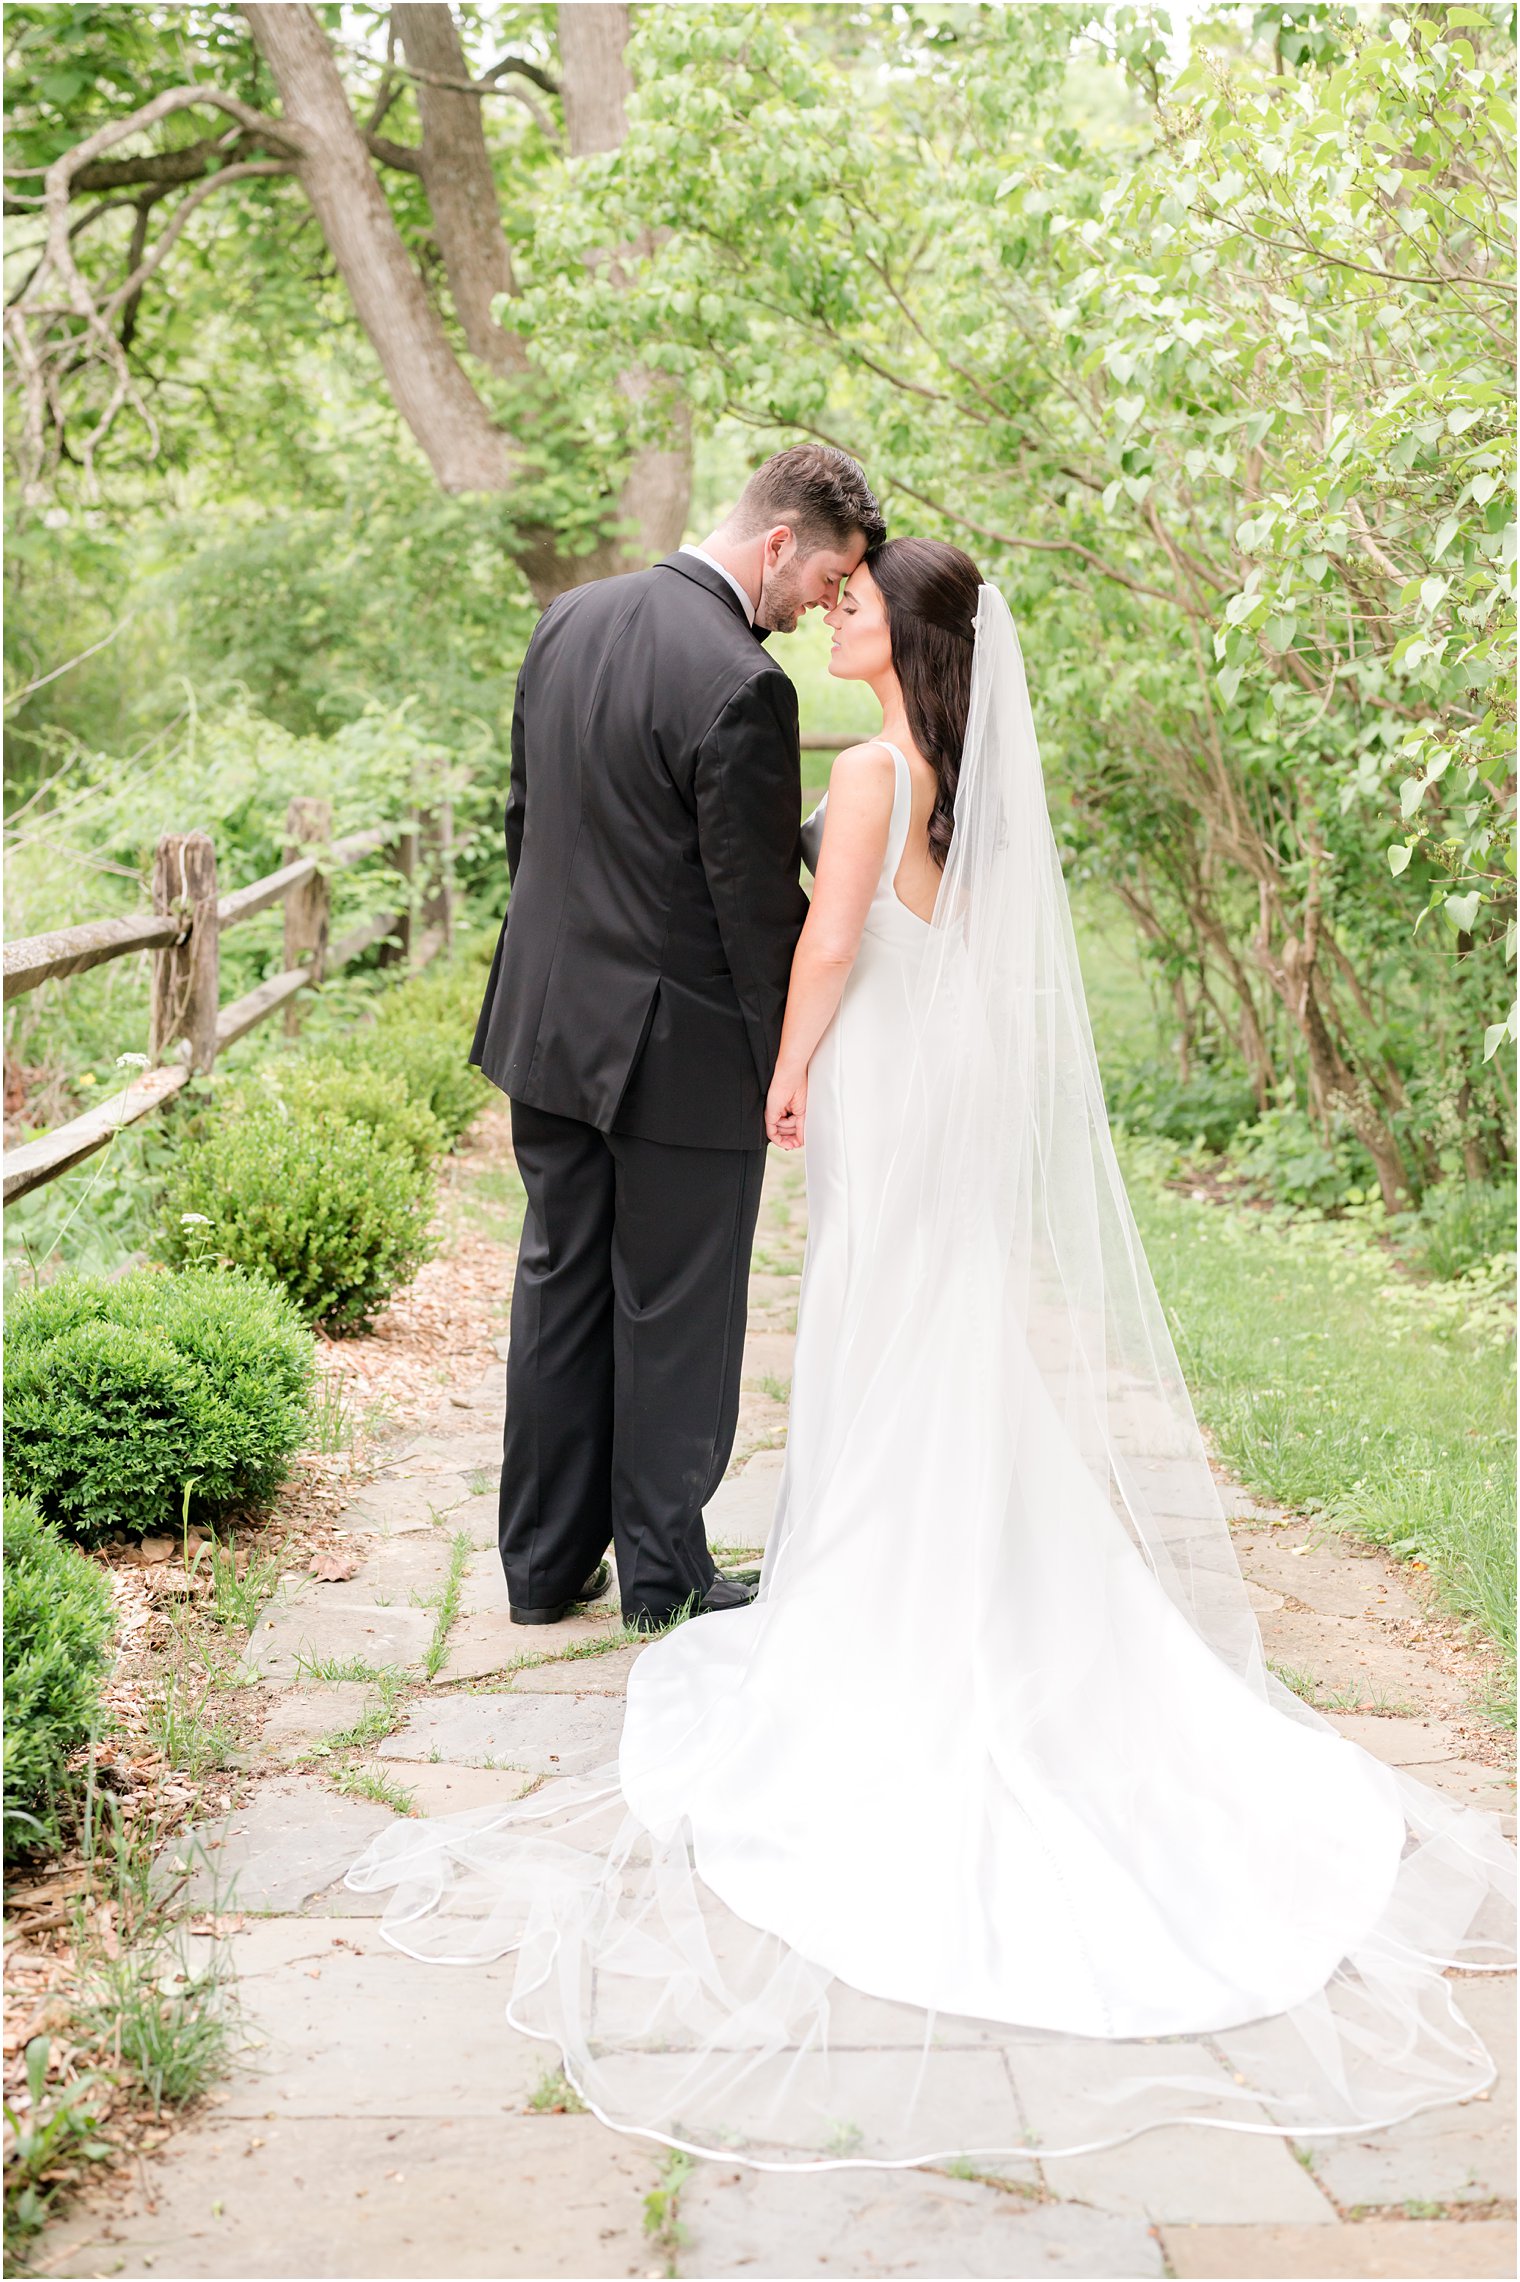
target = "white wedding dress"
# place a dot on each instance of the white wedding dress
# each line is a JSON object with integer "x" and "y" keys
{"x": 983, "y": 1831}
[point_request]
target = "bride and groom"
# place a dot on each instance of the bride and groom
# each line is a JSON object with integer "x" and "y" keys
{"x": 991, "y": 1761}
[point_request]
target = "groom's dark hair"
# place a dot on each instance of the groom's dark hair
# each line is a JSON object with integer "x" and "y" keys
{"x": 820, "y": 491}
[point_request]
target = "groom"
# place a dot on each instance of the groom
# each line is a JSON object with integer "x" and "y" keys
{"x": 633, "y": 1015}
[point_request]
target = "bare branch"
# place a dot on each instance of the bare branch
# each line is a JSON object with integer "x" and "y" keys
{"x": 98, "y": 343}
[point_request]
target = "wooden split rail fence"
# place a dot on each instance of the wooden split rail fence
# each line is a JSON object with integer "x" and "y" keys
{"x": 188, "y": 1025}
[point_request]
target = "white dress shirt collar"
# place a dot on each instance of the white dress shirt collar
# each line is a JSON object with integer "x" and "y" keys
{"x": 702, "y": 557}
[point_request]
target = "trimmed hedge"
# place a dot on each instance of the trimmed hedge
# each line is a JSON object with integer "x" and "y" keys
{"x": 325, "y": 1206}
{"x": 412, "y": 1051}
{"x": 58, "y": 1628}
{"x": 314, "y": 1085}
{"x": 421, "y": 1036}
{"x": 118, "y": 1393}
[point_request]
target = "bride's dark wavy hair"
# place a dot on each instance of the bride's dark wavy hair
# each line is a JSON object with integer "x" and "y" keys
{"x": 929, "y": 591}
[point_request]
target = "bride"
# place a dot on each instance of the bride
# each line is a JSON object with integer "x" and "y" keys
{"x": 983, "y": 1830}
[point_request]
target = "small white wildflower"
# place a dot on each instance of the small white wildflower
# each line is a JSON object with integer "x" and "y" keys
{"x": 137, "y": 1061}
{"x": 198, "y": 1219}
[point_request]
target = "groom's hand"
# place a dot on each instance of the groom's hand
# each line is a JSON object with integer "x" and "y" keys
{"x": 786, "y": 1110}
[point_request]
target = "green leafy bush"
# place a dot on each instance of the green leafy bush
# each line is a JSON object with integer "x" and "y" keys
{"x": 118, "y": 1394}
{"x": 1150, "y": 1097}
{"x": 57, "y": 1640}
{"x": 324, "y": 1205}
{"x": 1459, "y": 1224}
{"x": 421, "y": 1035}
{"x": 430, "y": 1064}
{"x": 1284, "y": 1154}
{"x": 363, "y": 1094}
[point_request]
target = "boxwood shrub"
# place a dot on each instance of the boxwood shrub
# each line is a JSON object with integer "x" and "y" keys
{"x": 120, "y": 1392}
{"x": 421, "y": 1036}
{"x": 332, "y": 1209}
{"x": 412, "y": 1051}
{"x": 57, "y": 1645}
{"x": 316, "y": 1084}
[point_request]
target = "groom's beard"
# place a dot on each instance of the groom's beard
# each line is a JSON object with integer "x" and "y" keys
{"x": 780, "y": 605}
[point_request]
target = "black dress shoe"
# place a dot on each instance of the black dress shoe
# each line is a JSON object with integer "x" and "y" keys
{"x": 723, "y": 1592}
{"x": 594, "y": 1587}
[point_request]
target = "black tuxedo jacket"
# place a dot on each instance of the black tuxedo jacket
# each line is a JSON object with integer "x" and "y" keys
{"x": 653, "y": 846}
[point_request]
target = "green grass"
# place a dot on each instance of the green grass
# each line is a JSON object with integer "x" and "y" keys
{"x": 447, "y": 1604}
{"x": 555, "y": 2095}
{"x": 662, "y": 2207}
{"x": 1339, "y": 1387}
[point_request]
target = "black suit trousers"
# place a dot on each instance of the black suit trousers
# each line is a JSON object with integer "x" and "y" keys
{"x": 623, "y": 1367}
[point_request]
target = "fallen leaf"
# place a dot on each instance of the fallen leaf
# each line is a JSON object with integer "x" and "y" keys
{"x": 333, "y": 1568}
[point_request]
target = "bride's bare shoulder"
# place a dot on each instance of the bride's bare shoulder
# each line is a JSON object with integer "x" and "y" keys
{"x": 861, "y": 770}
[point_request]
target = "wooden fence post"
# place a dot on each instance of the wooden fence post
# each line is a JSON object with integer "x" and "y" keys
{"x": 306, "y": 907}
{"x": 396, "y": 950}
{"x": 186, "y": 975}
{"x": 437, "y": 837}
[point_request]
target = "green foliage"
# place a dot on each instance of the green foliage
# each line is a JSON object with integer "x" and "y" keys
{"x": 1283, "y": 1154}
{"x": 1331, "y": 1381}
{"x": 120, "y": 1394}
{"x": 1209, "y": 1106}
{"x": 57, "y": 1643}
{"x": 1460, "y": 1225}
{"x": 430, "y": 1063}
{"x": 1214, "y": 388}
{"x": 421, "y": 1035}
{"x": 336, "y": 1215}
{"x": 313, "y": 1087}
{"x": 55, "y": 2133}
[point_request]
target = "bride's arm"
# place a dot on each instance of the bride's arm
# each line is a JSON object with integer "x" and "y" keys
{"x": 854, "y": 847}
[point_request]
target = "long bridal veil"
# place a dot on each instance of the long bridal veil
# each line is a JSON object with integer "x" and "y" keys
{"x": 986, "y": 1831}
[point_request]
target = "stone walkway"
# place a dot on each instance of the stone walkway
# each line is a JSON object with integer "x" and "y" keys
{"x": 383, "y": 2120}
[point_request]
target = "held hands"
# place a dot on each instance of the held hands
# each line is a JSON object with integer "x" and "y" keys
{"x": 786, "y": 1108}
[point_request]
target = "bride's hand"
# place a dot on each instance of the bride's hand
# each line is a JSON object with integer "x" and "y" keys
{"x": 786, "y": 1109}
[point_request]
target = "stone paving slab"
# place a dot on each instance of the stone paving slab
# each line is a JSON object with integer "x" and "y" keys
{"x": 284, "y": 1647}
{"x": 1431, "y": 1749}
{"x": 1414, "y": 1743}
{"x": 1434, "y": 2249}
{"x": 301, "y": 1716}
{"x": 483, "y": 1588}
{"x": 481, "y": 1646}
{"x": 1345, "y": 1652}
{"x": 451, "y": 1453}
{"x": 790, "y": 2224}
{"x": 740, "y": 1511}
{"x": 477, "y": 1517}
{"x": 544, "y": 1735}
{"x": 581, "y": 1675}
{"x": 1333, "y": 1578}
{"x": 409, "y": 2197}
{"x": 291, "y": 1841}
{"x": 1181, "y": 2173}
{"x": 1177, "y": 2171}
{"x": 1461, "y": 2154}
{"x": 768, "y": 1354}
{"x": 405, "y": 1570}
{"x": 441, "y": 1787}
{"x": 337, "y": 2021}
{"x": 400, "y": 1502}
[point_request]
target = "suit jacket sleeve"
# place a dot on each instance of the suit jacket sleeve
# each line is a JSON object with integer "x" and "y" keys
{"x": 749, "y": 799}
{"x": 517, "y": 792}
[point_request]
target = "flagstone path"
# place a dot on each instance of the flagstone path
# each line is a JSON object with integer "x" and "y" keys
{"x": 384, "y": 2121}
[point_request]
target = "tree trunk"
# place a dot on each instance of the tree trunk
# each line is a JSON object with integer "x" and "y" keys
{"x": 656, "y": 493}
{"x": 461, "y": 189}
{"x": 431, "y": 390}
